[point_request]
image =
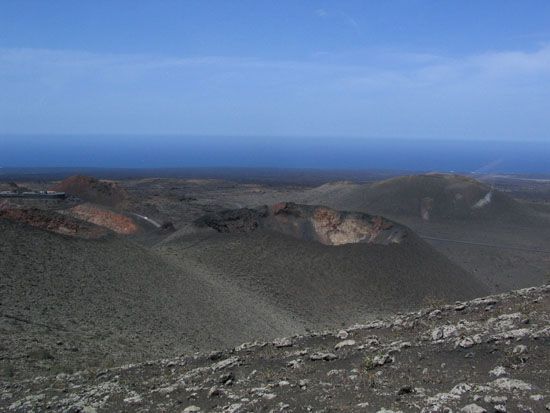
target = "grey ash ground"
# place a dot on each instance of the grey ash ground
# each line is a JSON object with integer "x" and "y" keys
{"x": 488, "y": 354}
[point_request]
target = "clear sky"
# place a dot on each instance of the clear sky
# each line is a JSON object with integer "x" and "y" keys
{"x": 433, "y": 69}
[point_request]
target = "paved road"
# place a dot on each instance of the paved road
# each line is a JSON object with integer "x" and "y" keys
{"x": 483, "y": 244}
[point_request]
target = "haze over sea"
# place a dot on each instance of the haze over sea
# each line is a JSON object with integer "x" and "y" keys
{"x": 169, "y": 151}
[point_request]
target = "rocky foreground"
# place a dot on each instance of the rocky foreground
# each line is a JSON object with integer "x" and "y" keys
{"x": 489, "y": 354}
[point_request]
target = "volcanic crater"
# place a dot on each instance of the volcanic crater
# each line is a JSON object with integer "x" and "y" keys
{"x": 311, "y": 223}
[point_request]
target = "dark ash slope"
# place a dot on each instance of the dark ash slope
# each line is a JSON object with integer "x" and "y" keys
{"x": 438, "y": 197}
{"x": 68, "y": 303}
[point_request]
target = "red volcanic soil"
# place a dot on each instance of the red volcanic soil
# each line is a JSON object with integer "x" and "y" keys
{"x": 118, "y": 223}
{"x": 93, "y": 190}
{"x": 53, "y": 222}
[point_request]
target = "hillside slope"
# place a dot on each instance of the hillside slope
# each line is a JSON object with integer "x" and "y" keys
{"x": 69, "y": 303}
{"x": 327, "y": 285}
{"x": 436, "y": 197}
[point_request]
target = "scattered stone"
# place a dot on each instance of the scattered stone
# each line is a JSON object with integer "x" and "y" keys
{"x": 342, "y": 334}
{"x": 484, "y": 301}
{"x": 466, "y": 342}
{"x": 511, "y": 334}
{"x": 498, "y": 371}
{"x": 408, "y": 389}
{"x": 248, "y": 346}
{"x": 495, "y": 399}
{"x": 382, "y": 359}
{"x": 229, "y": 362}
{"x": 303, "y": 383}
{"x": 520, "y": 349}
{"x": 191, "y": 409}
{"x": 473, "y": 408}
{"x": 344, "y": 344}
{"x": 226, "y": 377}
{"x": 213, "y": 392}
{"x": 371, "y": 342}
{"x": 283, "y": 342}
{"x": 545, "y": 332}
{"x": 133, "y": 398}
{"x": 460, "y": 389}
{"x": 510, "y": 384}
{"x": 168, "y": 389}
{"x": 444, "y": 332}
{"x": 434, "y": 314}
{"x": 233, "y": 408}
{"x": 323, "y": 356}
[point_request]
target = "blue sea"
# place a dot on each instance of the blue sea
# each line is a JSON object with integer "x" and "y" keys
{"x": 160, "y": 151}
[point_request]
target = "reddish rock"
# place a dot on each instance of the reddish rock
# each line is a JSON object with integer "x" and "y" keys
{"x": 53, "y": 222}
{"x": 93, "y": 190}
{"x": 121, "y": 224}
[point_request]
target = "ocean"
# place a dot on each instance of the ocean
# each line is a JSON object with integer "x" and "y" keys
{"x": 163, "y": 151}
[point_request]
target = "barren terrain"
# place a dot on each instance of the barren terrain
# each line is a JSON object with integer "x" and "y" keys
{"x": 141, "y": 269}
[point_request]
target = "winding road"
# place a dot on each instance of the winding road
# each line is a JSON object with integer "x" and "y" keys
{"x": 149, "y": 220}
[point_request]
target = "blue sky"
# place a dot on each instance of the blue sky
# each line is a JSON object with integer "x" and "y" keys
{"x": 407, "y": 69}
